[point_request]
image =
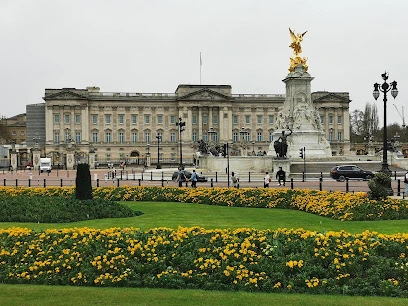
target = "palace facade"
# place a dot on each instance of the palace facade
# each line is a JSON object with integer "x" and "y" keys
{"x": 130, "y": 126}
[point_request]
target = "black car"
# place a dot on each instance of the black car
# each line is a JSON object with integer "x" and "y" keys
{"x": 187, "y": 174}
{"x": 340, "y": 173}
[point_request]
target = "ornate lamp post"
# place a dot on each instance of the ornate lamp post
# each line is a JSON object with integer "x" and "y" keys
{"x": 384, "y": 88}
{"x": 159, "y": 138}
{"x": 181, "y": 126}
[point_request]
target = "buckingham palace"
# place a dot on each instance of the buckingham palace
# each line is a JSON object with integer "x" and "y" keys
{"x": 128, "y": 127}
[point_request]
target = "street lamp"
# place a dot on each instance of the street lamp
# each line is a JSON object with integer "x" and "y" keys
{"x": 384, "y": 88}
{"x": 181, "y": 126}
{"x": 159, "y": 138}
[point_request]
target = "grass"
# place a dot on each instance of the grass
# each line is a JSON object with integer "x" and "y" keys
{"x": 160, "y": 214}
{"x": 21, "y": 295}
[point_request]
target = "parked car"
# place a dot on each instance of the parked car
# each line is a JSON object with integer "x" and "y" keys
{"x": 187, "y": 174}
{"x": 340, "y": 173}
{"x": 29, "y": 166}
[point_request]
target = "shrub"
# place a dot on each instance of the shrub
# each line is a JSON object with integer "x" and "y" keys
{"x": 83, "y": 183}
{"x": 380, "y": 186}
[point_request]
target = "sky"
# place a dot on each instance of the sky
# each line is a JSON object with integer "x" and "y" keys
{"x": 153, "y": 46}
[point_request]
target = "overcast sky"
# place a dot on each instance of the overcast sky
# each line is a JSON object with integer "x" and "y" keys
{"x": 154, "y": 45}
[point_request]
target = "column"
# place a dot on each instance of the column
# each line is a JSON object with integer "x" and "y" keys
{"x": 221, "y": 136}
{"x": 200, "y": 123}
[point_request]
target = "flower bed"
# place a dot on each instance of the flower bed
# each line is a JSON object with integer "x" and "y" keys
{"x": 337, "y": 205}
{"x": 242, "y": 259}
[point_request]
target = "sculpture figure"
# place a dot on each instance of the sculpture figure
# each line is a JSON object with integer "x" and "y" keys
{"x": 297, "y": 49}
{"x": 296, "y": 40}
{"x": 281, "y": 145}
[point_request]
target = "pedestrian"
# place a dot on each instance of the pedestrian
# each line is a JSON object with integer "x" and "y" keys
{"x": 180, "y": 177}
{"x": 194, "y": 179}
{"x": 406, "y": 184}
{"x": 267, "y": 180}
{"x": 281, "y": 176}
{"x": 234, "y": 180}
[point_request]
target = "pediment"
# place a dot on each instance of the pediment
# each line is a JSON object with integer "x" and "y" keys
{"x": 205, "y": 95}
{"x": 331, "y": 97}
{"x": 66, "y": 94}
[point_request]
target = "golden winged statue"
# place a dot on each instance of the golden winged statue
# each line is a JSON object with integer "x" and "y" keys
{"x": 296, "y": 40}
{"x": 297, "y": 49}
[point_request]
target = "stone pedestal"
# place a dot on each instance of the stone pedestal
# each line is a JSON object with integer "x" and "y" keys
{"x": 36, "y": 159}
{"x": 70, "y": 160}
{"x": 13, "y": 160}
{"x": 92, "y": 160}
{"x": 299, "y": 120}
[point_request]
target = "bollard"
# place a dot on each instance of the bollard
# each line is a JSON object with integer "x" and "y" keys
{"x": 16, "y": 182}
{"x": 4, "y": 182}
{"x": 162, "y": 176}
{"x": 403, "y": 195}
{"x": 212, "y": 184}
{"x": 117, "y": 180}
{"x": 61, "y": 183}
{"x": 291, "y": 183}
{"x": 320, "y": 183}
{"x": 395, "y": 175}
{"x": 216, "y": 177}
{"x": 399, "y": 188}
{"x": 151, "y": 176}
{"x": 186, "y": 184}
{"x": 162, "y": 182}
{"x": 249, "y": 176}
{"x": 29, "y": 182}
{"x": 45, "y": 183}
{"x": 97, "y": 182}
{"x": 303, "y": 176}
{"x": 347, "y": 185}
{"x": 140, "y": 180}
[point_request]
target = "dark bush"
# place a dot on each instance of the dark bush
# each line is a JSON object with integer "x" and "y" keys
{"x": 380, "y": 186}
{"x": 83, "y": 183}
{"x": 60, "y": 210}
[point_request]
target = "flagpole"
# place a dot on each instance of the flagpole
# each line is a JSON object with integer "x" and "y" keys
{"x": 201, "y": 63}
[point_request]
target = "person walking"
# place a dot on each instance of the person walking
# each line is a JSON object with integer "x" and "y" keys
{"x": 267, "y": 180}
{"x": 281, "y": 176}
{"x": 234, "y": 180}
{"x": 194, "y": 179}
{"x": 406, "y": 183}
{"x": 180, "y": 177}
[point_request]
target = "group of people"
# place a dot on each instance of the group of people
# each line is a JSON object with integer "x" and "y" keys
{"x": 234, "y": 179}
{"x": 280, "y": 176}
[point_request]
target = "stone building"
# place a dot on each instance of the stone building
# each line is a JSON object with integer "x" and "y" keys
{"x": 121, "y": 126}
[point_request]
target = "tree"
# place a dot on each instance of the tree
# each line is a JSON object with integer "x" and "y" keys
{"x": 83, "y": 183}
{"x": 365, "y": 123}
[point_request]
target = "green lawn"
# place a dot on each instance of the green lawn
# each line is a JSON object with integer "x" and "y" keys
{"x": 159, "y": 214}
{"x": 180, "y": 214}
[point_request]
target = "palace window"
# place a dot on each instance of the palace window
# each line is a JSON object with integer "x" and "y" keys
{"x": 194, "y": 121}
{"x": 330, "y": 119}
{"x": 247, "y": 119}
{"x": 235, "y": 136}
{"x": 339, "y": 136}
{"x": 270, "y": 119}
{"x": 107, "y": 137}
{"x": 147, "y": 119}
{"x": 77, "y": 119}
{"x": 159, "y": 119}
{"x": 94, "y": 119}
{"x": 147, "y": 136}
{"x": 134, "y": 119}
{"x": 204, "y": 119}
{"x": 94, "y": 136}
{"x": 77, "y": 137}
{"x": 107, "y": 119}
{"x": 215, "y": 119}
{"x": 67, "y": 118}
{"x": 194, "y": 136}
{"x": 172, "y": 119}
{"x": 339, "y": 119}
{"x": 235, "y": 119}
{"x": 56, "y": 137}
{"x": 56, "y": 118}
{"x": 172, "y": 137}
{"x": 259, "y": 118}
{"x": 121, "y": 119}
{"x": 134, "y": 137}
{"x": 121, "y": 137}
{"x": 259, "y": 136}
{"x": 270, "y": 136}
